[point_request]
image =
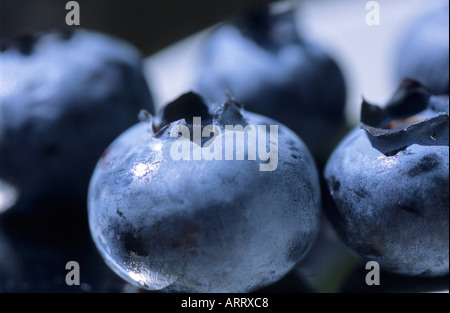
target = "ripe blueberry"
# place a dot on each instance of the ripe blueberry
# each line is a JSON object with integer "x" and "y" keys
{"x": 264, "y": 61}
{"x": 423, "y": 51}
{"x": 64, "y": 97}
{"x": 200, "y": 225}
{"x": 389, "y": 180}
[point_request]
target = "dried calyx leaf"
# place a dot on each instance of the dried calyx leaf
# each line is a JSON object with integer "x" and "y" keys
{"x": 412, "y": 116}
{"x": 24, "y": 43}
{"x": 187, "y": 106}
{"x": 190, "y": 105}
{"x": 410, "y": 99}
{"x": 146, "y": 116}
{"x": 268, "y": 29}
{"x": 229, "y": 112}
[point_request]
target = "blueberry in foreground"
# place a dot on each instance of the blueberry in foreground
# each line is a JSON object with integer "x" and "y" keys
{"x": 423, "y": 50}
{"x": 274, "y": 70}
{"x": 202, "y": 225}
{"x": 64, "y": 96}
{"x": 389, "y": 179}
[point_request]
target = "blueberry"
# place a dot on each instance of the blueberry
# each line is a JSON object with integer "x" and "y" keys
{"x": 200, "y": 225}
{"x": 422, "y": 52}
{"x": 275, "y": 71}
{"x": 64, "y": 96}
{"x": 389, "y": 179}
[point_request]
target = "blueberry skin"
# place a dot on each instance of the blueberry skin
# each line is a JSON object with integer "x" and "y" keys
{"x": 202, "y": 226}
{"x": 270, "y": 68}
{"x": 423, "y": 51}
{"x": 390, "y": 186}
{"x": 64, "y": 97}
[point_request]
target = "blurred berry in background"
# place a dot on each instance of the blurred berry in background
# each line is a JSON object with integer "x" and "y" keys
{"x": 423, "y": 50}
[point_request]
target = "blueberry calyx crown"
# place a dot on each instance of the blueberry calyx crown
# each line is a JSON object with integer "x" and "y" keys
{"x": 268, "y": 29}
{"x": 24, "y": 43}
{"x": 190, "y": 105}
{"x": 412, "y": 115}
{"x": 411, "y": 106}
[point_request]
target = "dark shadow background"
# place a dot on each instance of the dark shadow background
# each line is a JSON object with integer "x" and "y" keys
{"x": 149, "y": 25}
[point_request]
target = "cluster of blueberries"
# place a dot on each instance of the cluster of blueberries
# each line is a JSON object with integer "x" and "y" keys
{"x": 80, "y": 174}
